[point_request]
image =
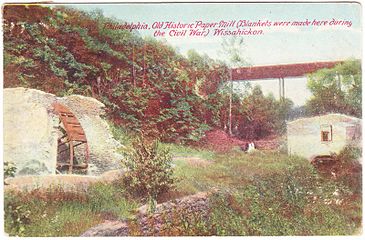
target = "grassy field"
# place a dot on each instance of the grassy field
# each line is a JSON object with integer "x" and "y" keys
{"x": 263, "y": 193}
{"x": 268, "y": 193}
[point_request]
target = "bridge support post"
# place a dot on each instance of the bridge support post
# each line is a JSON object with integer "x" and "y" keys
{"x": 281, "y": 89}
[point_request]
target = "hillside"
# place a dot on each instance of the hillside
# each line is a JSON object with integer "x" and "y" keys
{"x": 144, "y": 83}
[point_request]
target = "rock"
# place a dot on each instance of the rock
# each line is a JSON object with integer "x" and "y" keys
{"x": 31, "y": 131}
{"x": 108, "y": 229}
{"x": 197, "y": 204}
{"x": 151, "y": 224}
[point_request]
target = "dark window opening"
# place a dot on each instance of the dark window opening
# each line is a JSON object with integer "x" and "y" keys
{"x": 325, "y": 136}
{"x": 326, "y": 133}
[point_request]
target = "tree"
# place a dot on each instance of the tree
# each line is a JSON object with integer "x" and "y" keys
{"x": 336, "y": 90}
{"x": 233, "y": 49}
{"x": 262, "y": 116}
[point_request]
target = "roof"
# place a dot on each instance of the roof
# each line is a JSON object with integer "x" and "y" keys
{"x": 279, "y": 71}
{"x": 333, "y": 116}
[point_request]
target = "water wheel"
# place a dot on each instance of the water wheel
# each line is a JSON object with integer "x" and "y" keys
{"x": 73, "y": 135}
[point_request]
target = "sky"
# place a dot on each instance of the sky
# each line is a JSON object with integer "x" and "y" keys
{"x": 279, "y": 45}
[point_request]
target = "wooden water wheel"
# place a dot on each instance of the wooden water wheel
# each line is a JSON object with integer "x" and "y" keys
{"x": 73, "y": 136}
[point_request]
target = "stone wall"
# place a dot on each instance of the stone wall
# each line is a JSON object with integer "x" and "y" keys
{"x": 151, "y": 224}
{"x": 31, "y": 131}
{"x": 68, "y": 183}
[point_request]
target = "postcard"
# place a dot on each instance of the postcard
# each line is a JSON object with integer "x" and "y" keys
{"x": 182, "y": 119}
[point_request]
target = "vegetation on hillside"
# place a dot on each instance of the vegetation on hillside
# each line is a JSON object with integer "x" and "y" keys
{"x": 145, "y": 83}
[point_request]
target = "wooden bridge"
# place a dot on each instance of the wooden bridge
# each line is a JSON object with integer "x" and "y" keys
{"x": 279, "y": 71}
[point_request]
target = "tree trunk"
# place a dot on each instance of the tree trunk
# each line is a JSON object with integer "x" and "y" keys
{"x": 230, "y": 103}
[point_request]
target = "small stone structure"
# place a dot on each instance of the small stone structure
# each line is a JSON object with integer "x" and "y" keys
{"x": 31, "y": 130}
{"x": 323, "y": 135}
{"x": 150, "y": 224}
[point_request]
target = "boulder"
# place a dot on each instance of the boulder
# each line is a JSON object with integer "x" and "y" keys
{"x": 108, "y": 229}
{"x": 30, "y": 131}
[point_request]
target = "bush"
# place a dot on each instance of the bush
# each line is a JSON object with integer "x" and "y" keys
{"x": 9, "y": 169}
{"x": 17, "y": 216}
{"x": 349, "y": 154}
{"x": 150, "y": 171}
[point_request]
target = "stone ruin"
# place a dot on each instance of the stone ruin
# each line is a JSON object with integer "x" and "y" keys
{"x": 32, "y": 129}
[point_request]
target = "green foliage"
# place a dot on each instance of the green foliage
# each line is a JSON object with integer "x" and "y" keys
{"x": 17, "y": 216}
{"x": 150, "y": 171}
{"x": 9, "y": 169}
{"x": 336, "y": 90}
{"x": 233, "y": 49}
{"x": 180, "y": 150}
{"x": 55, "y": 212}
{"x": 348, "y": 168}
{"x": 186, "y": 126}
{"x": 121, "y": 134}
{"x": 261, "y": 116}
{"x": 349, "y": 154}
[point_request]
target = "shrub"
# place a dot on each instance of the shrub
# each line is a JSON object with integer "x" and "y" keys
{"x": 150, "y": 171}
{"x": 348, "y": 169}
{"x": 17, "y": 216}
{"x": 349, "y": 154}
{"x": 9, "y": 169}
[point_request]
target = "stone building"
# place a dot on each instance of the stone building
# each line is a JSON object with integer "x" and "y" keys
{"x": 323, "y": 135}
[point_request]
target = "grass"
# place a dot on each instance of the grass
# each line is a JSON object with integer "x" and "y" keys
{"x": 265, "y": 193}
{"x": 57, "y": 213}
{"x": 229, "y": 170}
{"x": 178, "y": 150}
{"x": 66, "y": 219}
{"x": 268, "y": 194}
